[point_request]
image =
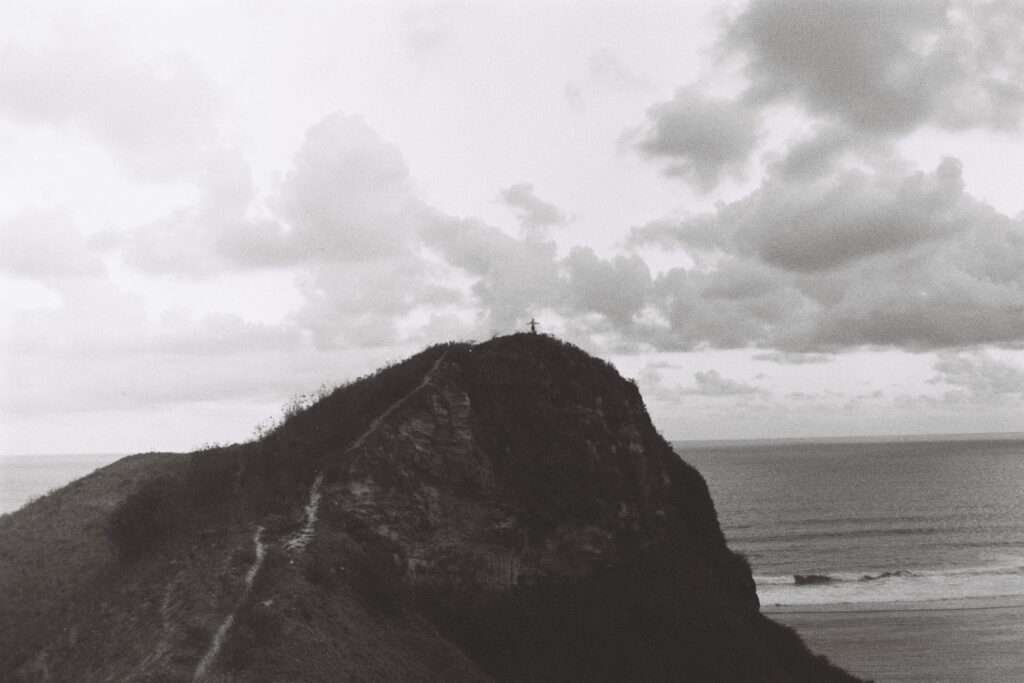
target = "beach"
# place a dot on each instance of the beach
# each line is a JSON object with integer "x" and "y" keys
{"x": 964, "y": 644}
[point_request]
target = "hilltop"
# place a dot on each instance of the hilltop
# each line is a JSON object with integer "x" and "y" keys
{"x": 496, "y": 511}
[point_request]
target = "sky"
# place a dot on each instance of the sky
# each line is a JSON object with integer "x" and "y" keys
{"x": 783, "y": 218}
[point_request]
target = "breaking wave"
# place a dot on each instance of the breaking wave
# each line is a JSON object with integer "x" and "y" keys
{"x": 1000, "y": 579}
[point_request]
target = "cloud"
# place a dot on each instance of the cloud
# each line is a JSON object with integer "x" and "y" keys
{"x": 857, "y": 73}
{"x": 711, "y": 383}
{"x": 617, "y": 288}
{"x": 512, "y": 277}
{"x": 349, "y": 195}
{"x": 707, "y": 384}
{"x": 534, "y": 213}
{"x": 788, "y": 358}
{"x": 156, "y": 117}
{"x": 885, "y": 67}
{"x": 978, "y": 376}
{"x": 141, "y": 381}
{"x": 694, "y": 311}
{"x": 348, "y": 198}
{"x": 702, "y": 138}
{"x": 606, "y": 74}
{"x": 99, "y": 318}
{"x": 364, "y": 304}
{"x": 809, "y": 227}
{"x": 848, "y": 258}
{"x": 347, "y": 221}
{"x": 45, "y": 246}
{"x": 606, "y": 70}
{"x": 841, "y": 246}
{"x": 217, "y": 334}
{"x": 821, "y": 150}
{"x": 854, "y": 259}
{"x": 428, "y": 30}
{"x": 350, "y": 219}
{"x": 211, "y": 236}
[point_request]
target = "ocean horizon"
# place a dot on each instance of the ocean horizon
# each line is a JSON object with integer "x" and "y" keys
{"x": 27, "y": 476}
{"x": 23, "y": 478}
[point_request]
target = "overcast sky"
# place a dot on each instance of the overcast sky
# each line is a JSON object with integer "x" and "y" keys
{"x": 783, "y": 218}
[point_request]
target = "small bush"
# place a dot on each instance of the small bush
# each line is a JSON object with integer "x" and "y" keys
{"x": 145, "y": 517}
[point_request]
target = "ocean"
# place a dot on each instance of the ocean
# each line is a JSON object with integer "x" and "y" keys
{"x": 25, "y": 477}
{"x": 898, "y": 559}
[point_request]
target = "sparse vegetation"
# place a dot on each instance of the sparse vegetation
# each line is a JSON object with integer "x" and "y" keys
{"x": 272, "y": 473}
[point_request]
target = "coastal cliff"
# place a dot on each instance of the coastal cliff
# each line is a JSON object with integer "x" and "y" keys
{"x": 497, "y": 511}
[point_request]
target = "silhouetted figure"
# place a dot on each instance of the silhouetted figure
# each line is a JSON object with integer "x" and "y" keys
{"x": 533, "y": 326}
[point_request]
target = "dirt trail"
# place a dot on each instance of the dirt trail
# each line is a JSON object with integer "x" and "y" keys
{"x": 298, "y": 541}
{"x": 397, "y": 404}
{"x": 221, "y": 635}
{"x": 169, "y": 606}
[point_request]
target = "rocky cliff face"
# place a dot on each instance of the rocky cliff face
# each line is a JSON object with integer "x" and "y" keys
{"x": 495, "y": 511}
{"x": 523, "y": 461}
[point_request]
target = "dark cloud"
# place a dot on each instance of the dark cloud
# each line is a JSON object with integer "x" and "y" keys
{"x": 841, "y": 246}
{"x": 617, "y": 288}
{"x": 886, "y": 67}
{"x": 864, "y": 72}
{"x": 855, "y": 259}
{"x": 694, "y": 314}
{"x": 534, "y": 213}
{"x": 818, "y": 153}
{"x": 809, "y": 227}
{"x": 702, "y": 138}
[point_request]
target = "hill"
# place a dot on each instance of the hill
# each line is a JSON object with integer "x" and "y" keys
{"x": 500, "y": 511}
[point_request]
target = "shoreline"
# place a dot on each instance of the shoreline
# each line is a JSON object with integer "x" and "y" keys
{"x": 958, "y": 640}
{"x": 948, "y": 605}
